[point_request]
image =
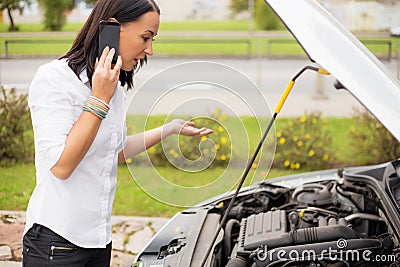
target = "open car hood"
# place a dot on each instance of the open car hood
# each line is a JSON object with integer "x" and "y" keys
{"x": 336, "y": 50}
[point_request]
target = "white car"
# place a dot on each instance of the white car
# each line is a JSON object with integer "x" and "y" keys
{"x": 344, "y": 217}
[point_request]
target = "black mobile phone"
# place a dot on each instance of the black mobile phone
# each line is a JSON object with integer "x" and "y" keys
{"x": 109, "y": 36}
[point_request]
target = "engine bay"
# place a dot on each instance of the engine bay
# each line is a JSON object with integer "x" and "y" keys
{"x": 328, "y": 218}
{"x": 332, "y": 223}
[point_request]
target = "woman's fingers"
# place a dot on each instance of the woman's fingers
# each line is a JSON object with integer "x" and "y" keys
{"x": 205, "y": 132}
{"x": 105, "y": 77}
{"x": 109, "y": 57}
{"x": 96, "y": 63}
{"x": 118, "y": 65}
{"x": 103, "y": 56}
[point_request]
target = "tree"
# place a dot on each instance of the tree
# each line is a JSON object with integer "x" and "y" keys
{"x": 265, "y": 17}
{"x": 55, "y": 13}
{"x": 239, "y": 6}
{"x": 11, "y": 5}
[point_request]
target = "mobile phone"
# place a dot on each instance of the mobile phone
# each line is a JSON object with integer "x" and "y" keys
{"x": 109, "y": 36}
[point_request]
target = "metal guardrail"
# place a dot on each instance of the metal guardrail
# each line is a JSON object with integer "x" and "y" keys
{"x": 389, "y": 43}
{"x": 381, "y": 42}
{"x": 246, "y": 42}
{"x": 33, "y": 41}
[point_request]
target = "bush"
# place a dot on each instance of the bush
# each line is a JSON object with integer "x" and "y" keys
{"x": 371, "y": 142}
{"x": 55, "y": 13}
{"x": 265, "y": 17}
{"x": 304, "y": 144}
{"x": 16, "y": 134}
{"x": 194, "y": 153}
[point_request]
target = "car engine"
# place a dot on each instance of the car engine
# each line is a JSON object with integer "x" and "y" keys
{"x": 333, "y": 223}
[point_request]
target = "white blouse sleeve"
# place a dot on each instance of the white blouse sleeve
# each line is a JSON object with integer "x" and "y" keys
{"x": 51, "y": 102}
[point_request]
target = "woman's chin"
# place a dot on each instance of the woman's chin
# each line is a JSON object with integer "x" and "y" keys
{"x": 127, "y": 68}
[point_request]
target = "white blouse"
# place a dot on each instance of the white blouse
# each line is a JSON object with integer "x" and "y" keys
{"x": 79, "y": 208}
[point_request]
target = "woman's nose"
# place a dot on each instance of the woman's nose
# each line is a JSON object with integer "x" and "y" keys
{"x": 149, "y": 49}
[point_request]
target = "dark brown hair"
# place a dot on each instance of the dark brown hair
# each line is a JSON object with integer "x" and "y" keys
{"x": 83, "y": 52}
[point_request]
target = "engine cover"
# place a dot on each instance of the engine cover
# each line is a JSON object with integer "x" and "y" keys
{"x": 255, "y": 229}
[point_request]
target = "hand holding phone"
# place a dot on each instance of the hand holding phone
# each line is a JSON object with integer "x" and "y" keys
{"x": 109, "y": 36}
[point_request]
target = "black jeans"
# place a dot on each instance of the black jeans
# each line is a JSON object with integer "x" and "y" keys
{"x": 44, "y": 248}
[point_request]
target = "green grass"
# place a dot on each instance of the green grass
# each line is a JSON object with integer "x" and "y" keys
{"x": 17, "y": 182}
{"x": 16, "y": 186}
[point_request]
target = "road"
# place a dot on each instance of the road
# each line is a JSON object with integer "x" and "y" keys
{"x": 196, "y": 87}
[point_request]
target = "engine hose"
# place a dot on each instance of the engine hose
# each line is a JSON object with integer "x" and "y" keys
{"x": 306, "y": 236}
{"x": 228, "y": 235}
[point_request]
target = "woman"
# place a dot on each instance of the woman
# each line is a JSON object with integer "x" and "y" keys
{"x": 78, "y": 115}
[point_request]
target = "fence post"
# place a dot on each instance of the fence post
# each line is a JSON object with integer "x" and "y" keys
{"x": 1, "y": 61}
{"x": 249, "y": 48}
{"x": 6, "y": 48}
{"x": 398, "y": 61}
{"x": 259, "y": 63}
{"x": 269, "y": 48}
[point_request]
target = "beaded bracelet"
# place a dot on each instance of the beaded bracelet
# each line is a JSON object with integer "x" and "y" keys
{"x": 97, "y": 107}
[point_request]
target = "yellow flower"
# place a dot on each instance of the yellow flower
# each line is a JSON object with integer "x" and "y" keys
{"x": 217, "y": 146}
{"x": 223, "y": 140}
{"x": 292, "y": 166}
{"x": 325, "y": 157}
{"x": 300, "y": 143}
{"x": 203, "y": 138}
{"x": 286, "y": 163}
{"x": 307, "y": 136}
{"x": 216, "y": 112}
{"x": 314, "y": 120}
{"x": 172, "y": 151}
{"x": 303, "y": 119}
{"x": 295, "y": 138}
{"x": 254, "y": 166}
{"x": 278, "y": 134}
{"x": 129, "y": 160}
{"x": 297, "y": 166}
{"x": 282, "y": 140}
{"x": 206, "y": 151}
{"x": 311, "y": 153}
{"x": 153, "y": 150}
{"x": 220, "y": 129}
{"x": 223, "y": 157}
{"x": 222, "y": 117}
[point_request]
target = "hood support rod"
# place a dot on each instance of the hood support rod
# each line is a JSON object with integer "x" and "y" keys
{"x": 255, "y": 154}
